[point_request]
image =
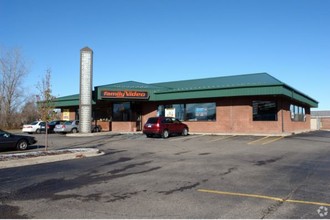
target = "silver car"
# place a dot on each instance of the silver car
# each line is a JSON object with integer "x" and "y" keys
{"x": 67, "y": 127}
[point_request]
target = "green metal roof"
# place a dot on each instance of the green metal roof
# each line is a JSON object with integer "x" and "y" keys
{"x": 130, "y": 85}
{"x": 229, "y": 86}
{"x": 247, "y": 80}
{"x": 67, "y": 101}
{"x": 256, "y": 84}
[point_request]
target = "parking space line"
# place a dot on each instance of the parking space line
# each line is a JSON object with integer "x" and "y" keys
{"x": 258, "y": 140}
{"x": 222, "y": 138}
{"x": 266, "y": 140}
{"x": 186, "y": 137}
{"x": 263, "y": 197}
{"x": 273, "y": 140}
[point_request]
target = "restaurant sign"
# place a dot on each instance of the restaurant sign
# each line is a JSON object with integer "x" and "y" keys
{"x": 124, "y": 94}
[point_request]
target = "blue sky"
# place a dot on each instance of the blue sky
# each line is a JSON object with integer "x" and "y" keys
{"x": 165, "y": 40}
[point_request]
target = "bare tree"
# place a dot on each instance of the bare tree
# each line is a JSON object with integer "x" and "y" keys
{"x": 46, "y": 102}
{"x": 29, "y": 111}
{"x": 13, "y": 70}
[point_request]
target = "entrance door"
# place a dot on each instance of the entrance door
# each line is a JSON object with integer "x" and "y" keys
{"x": 137, "y": 115}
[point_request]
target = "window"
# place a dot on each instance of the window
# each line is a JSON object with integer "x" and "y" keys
{"x": 174, "y": 110}
{"x": 297, "y": 113}
{"x": 189, "y": 112}
{"x": 201, "y": 112}
{"x": 121, "y": 111}
{"x": 264, "y": 111}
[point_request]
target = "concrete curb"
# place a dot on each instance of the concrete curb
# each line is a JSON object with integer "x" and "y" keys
{"x": 104, "y": 133}
{"x": 111, "y": 133}
{"x": 39, "y": 157}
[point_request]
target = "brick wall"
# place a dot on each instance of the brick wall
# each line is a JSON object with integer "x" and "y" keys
{"x": 235, "y": 115}
{"x": 148, "y": 110}
{"x": 291, "y": 126}
{"x": 123, "y": 126}
{"x": 325, "y": 123}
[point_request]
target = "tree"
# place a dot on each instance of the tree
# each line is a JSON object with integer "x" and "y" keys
{"x": 45, "y": 101}
{"x": 29, "y": 111}
{"x": 13, "y": 70}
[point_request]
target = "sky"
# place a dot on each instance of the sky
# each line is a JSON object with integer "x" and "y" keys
{"x": 153, "y": 41}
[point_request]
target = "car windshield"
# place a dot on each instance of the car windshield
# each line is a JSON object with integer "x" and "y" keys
{"x": 152, "y": 120}
{"x": 68, "y": 123}
{"x": 34, "y": 123}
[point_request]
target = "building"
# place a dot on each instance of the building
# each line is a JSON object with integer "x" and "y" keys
{"x": 320, "y": 120}
{"x": 242, "y": 104}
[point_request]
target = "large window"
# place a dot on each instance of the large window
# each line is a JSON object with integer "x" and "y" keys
{"x": 189, "y": 112}
{"x": 264, "y": 111}
{"x": 297, "y": 113}
{"x": 121, "y": 111}
{"x": 174, "y": 110}
{"x": 201, "y": 112}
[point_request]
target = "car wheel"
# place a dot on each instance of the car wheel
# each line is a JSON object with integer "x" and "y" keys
{"x": 185, "y": 132}
{"x": 22, "y": 145}
{"x": 165, "y": 134}
{"x": 38, "y": 131}
{"x": 74, "y": 130}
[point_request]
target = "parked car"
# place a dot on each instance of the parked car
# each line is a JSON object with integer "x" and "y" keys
{"x": 51, "y": 126}
{"x": 20, "y": 142}
{"x": 164, "y": 126}
{"x": 67, "y": 127}
{"x": 34, "y": 127}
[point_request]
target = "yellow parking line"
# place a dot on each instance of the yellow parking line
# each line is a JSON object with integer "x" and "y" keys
{"x": 185, "y": 137}
{"x": 222, "y": 138}
{"x": 266, "y": 140}
{"x": 273, "y": 140}
{"x": 263, "y": 197}
{"x": 260, "y": 139}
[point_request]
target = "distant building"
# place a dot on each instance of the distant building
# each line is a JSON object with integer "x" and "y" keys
{"x": 242, "y": 104}
{"x": 320, "y": 120}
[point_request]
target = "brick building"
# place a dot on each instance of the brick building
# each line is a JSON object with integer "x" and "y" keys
{"x": 320, "y": 120}
{"x": 245, "y": 104}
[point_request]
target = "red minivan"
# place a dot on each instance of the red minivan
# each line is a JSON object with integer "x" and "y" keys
{"x": 164, "y": 126}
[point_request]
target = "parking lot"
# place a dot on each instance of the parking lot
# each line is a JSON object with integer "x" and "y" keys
{"x": 196, "y": 176}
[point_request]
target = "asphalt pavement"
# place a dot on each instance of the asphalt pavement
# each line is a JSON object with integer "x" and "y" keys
{"x": 197, "y": 176}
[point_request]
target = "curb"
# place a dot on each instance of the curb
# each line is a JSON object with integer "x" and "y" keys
{"x": 111, "y": 133}
{"x": 39, "y": 157}
{"x": 104, "y": 133}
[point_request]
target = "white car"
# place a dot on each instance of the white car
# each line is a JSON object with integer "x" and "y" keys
{"x": 34, "y": 127}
